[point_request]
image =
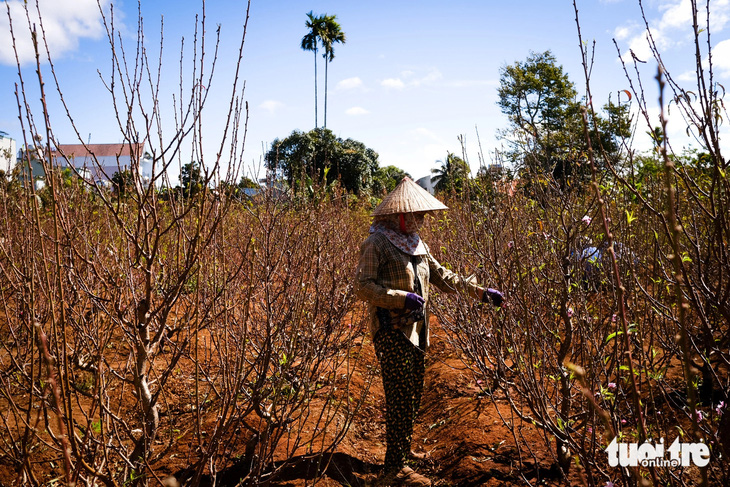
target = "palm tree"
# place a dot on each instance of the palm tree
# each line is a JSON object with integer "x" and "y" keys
{"x": 309, "y": 43}
{"x": 330, "y": 34}
{"x": 452, "y": 174}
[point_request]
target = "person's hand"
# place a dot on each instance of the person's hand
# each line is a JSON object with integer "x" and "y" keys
{"x": 494, "y": 296}
{"x": 414, "y": 301}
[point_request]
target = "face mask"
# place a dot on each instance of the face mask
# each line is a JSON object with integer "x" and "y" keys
{"x": 411, "y": 222}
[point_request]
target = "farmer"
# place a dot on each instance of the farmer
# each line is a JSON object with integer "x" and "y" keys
{"x": 394, "y": 274}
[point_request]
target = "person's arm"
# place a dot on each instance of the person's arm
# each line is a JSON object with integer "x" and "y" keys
{"x": 367, "y": 286}
{"x": 449, "y": 282}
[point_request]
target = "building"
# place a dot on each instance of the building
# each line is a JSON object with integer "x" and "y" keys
{"x": 425, "y": 183}
{"x": 99, "y": 162}
{"x": 7, "y": 153}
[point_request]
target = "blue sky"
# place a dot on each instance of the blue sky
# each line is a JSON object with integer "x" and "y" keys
{"x": 411, "y": 78}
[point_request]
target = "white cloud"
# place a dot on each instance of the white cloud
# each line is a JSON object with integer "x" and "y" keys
{"x": 65, "y": 22}
{"x": 424, "y": 133}
{"x": 349, "y": 84}
{"x": 672, "y": 27}
{"x": 394, "y": 83}
{"x": 410, "y": 79}
{"x": 472, "y": 83}
{"x": 676, "y": 16}
{"x": 433, "y": 76}
{"x": 687, "y": 76}
{"x": 622, "y": 33}
{"x": 354, "y": 111}
{"x": 721, "y": 58}
{"x": 271, "y": 106}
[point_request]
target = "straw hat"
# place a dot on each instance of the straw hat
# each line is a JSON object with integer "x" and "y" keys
{"x": 408, "y": 197}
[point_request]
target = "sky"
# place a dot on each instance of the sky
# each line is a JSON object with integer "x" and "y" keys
{"x": 410, "y": 81}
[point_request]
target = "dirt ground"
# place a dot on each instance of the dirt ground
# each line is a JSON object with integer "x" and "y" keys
{"x": 459, "y": 428}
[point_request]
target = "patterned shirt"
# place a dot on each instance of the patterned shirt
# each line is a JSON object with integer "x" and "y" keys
{"x": 385, "y": 275}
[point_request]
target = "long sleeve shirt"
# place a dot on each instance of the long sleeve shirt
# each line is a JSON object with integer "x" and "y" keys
{"x": 385, "y": 275}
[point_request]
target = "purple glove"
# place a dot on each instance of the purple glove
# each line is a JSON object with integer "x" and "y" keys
{"x": 495, "y": 296}
{"x": 414, "y": 301}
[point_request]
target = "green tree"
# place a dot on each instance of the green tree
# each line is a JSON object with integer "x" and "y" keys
{"x": 453, "y": 175}
{"x": 311, "y": 154}
{"x": 310, "y": 42}
{"x": 386, "y": 179}
{"x": 546, "y": 132}
{"x": 122, "y": 181}
{"x": 191, "y": 179}
{"x": 538, "y": 98}
{"x": 330, "y": 34}
{"x": 246, "y": 183}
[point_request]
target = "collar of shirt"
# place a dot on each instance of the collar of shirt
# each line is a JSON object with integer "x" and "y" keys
{"x": 410, "y": 243}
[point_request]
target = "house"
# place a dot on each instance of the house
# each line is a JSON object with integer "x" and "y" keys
{"x": 425, "y": 183}
{"x": 99, "y": 162}
{"x": 7, "y": 153}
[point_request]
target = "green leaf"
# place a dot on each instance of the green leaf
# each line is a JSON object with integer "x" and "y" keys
{"x": 613, "y": 335}
{"x": 630, "y": 216}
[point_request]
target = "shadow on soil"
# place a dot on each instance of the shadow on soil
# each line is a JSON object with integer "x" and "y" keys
{"x": 340, "y": 467}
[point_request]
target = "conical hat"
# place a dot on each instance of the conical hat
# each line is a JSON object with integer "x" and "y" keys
{"x": 408, "y": 197}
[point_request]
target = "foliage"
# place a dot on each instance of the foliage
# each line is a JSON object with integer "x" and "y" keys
{"x": 546, "y": 125}
{"x": 191, "y": 179}
{"x": 122, "y": 181}
{"x": 310, "y": 42}
{"x": 303, "y": 155}
{"x": 452, "y": 176}
{"x": 386, "y": 179}
{"x": 247, "y": 183}
{"x": 330, "y": 34}
{"x": 324, "y": 30}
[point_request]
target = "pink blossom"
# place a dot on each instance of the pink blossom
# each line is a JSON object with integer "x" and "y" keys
{"x": 586, "y": 219}
{"x": 570, "y": 312}
{"x": 613, "y": 318}
{"x": 700, "y": 416}
{"x": 510, "y": 244}
{"x": 720, "y": 407}
{"x": 623, "y": 421}
{"x": 612, "y": 385}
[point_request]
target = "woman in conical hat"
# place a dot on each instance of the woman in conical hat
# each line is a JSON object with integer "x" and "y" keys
{"x": 393, "y": 276}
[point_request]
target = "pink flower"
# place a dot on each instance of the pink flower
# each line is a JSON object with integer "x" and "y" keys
{"x": 590, "y": 430}
{"x": 720, "y": 407}
{"x": 510, "y": 244}
{"x": 623, "y": 421}
{"x": 613, "y": 318}
{"x": 612, "y": 385}
{"x": 586, "y": 219}
{"x": 570, "y": 312}
{"x": 700, "y": 416}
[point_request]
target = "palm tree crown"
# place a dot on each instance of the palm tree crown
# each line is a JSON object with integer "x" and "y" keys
{"x": 310, "y": 41}
{"x": 331, "y": 33}
{"x": 324, "y": 30}
{"x": 452, "y": 174}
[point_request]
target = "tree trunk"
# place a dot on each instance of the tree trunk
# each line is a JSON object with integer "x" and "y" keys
{"x": 315, "y": 87}
{"x": 326, "y": 70}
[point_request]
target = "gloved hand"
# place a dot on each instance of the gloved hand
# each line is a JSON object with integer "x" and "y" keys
{"x": 414, "y": 301}
{"x": 495, "y": 296}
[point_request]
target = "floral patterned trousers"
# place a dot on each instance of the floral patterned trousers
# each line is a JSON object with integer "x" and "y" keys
{"x": 402, "y": 367}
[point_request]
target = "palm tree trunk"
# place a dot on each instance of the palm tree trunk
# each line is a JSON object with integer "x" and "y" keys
{"x": 315, "y": 87}
{"x": 326, "y": 70}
